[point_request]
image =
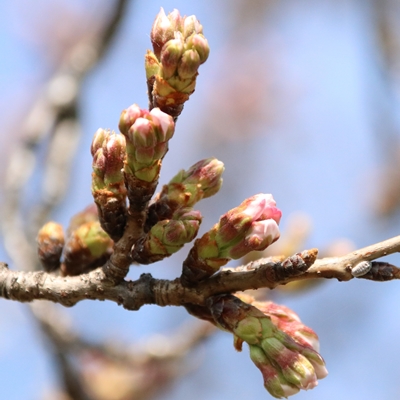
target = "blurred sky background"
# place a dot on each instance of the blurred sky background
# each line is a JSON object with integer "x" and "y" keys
{"x": 298, "y": 99}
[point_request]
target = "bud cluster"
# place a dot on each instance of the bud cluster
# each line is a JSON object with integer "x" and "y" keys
{"x": 186, "y": 188}
{"x": 108, "y": 188}
{"x": 125, "y": 227}
{"x": 167, "y": 236}
{"x": 85, "y": 247}
{"x": 179, "y": 48}
{"x": 252, "y": 226}
{"x": 287, "y": 364}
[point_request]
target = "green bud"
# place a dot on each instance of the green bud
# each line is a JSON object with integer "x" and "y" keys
{"x": 201, "y": 180}
{"x": 191, "y": 25}
{"x": 286, "y": 365}
{"x": 129, "y": 116}
{"x": 171, "y": 55}
{"x": 179, "y": 49}
{"x": 189, "y": 64}
{"x": 163, "y": 30}
{"x": 168, "y": 236}
{"x": 87, "y": 248}
{"x": 147, "y": 143}
{"x": 200, "y": 44}
{"x": 108, "y": 161}
{"x": 99, "y": 137}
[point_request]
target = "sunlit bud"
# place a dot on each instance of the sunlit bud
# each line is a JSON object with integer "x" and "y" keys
{"x": 108, "y": 161}
{"x": 274, "y": 380}
{"x": 87, "y": 248}
{"x": 201, "y": 180}
{"x": 251, "y": 226}
{"x": 189, "y": 64}
{"x": 98, "y": 139}
{"x": 163, "y": 30}
{"x": 171, "y": 55}
{"x": 285, "y": 364}
{"x": 108, "y": 186}
{"x": 200, "y": 44}
{"x": 171, "y": 71}
{"x": 147, "y": 144}
{"x": 129, "y": 116}
{"x": 191, "y": 25}
{"x": 168, "y": 236}
{"x": 50, "y": 242}
{"x": 151, "y": 64}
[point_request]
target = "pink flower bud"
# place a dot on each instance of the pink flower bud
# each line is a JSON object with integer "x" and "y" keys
{"x": 162, "y": 31}
{"x": 129, "y": 116}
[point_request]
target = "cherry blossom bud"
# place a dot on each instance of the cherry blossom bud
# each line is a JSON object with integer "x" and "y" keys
{"x": 168, "y": 236}
{"x": 129, "y": 116}
{"x": 163, "y": 30}
{"x": 179, "y": 49}
{"x": 171, "y": 55}
{"x": 189, "y": 64}
{"x": 147, "y": 143}
{"x": 191, "y": 26}
{"x": 108, "y": 160}
{"x": 286, "y": 365}
{"x": 200, "y": 44}
{"x": 50, "y": 241}
{"x": 251, "y": 226}
{"x": 87, "y": 248}
{"x": 108, "y": 187}
{"x": 201, "y": 180}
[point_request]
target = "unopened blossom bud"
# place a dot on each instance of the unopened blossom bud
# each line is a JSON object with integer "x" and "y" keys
{"x": 189, "y": 64}
{"x": 98, "y": 139}
{"x": 163, "y": 29}
{"x": 50, "y": 242}
{"x": 274, "y": 381}
{"x": 108, "y": 160}
{"x": 129, "y": 116}
{"x": 179, "y": 49}
{"x": 252, "y": 226}
{"x": 201, "y": 180}
{"x": 286, "y": 365}
{"x": 167, "y": 236}
{"x": 191, "y": 26}
{"x": 289, "y": 322}
{"x": 186, "y": 188}
{"x": 147, "y": 143}
{"x": 108, "y": 187}
{"x": 87, "y": 248}
{"x": 171, "y": 56}
{"x": 200, "y": 44}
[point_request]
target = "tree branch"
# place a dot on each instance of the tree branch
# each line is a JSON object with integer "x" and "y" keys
{"x": 28, "y": 286}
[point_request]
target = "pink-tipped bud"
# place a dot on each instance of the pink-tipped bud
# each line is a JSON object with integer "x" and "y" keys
{"x": 147, "y": 143}
{"x": 163, "y": 29}
{"x": 129, "y": 116}
{"x": 286, "y": 365}
{"x": 189, "y": 64}
{"x": 191, "y": 25}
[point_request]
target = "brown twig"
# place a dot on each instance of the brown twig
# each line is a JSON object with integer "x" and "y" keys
{"x": 27, "y": 286}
